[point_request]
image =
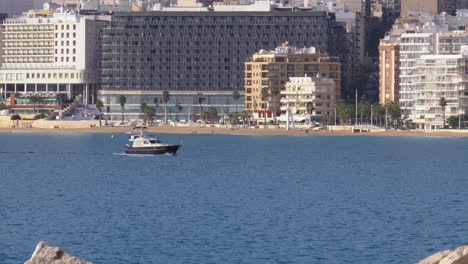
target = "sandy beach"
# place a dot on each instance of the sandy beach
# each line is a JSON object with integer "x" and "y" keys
{"x": 238, "y": 131}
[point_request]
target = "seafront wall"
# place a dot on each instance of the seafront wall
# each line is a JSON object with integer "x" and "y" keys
{"x": 64, "y": 124}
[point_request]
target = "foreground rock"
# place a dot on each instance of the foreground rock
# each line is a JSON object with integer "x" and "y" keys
{"x": 457, "y": 256}
{"x": 45, "y": 254}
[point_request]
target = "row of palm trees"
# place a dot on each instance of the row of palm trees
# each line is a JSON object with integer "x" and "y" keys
{"x": 165, "y": 97}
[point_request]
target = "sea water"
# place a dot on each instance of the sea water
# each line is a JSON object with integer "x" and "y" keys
{"x": 234, "y": 199}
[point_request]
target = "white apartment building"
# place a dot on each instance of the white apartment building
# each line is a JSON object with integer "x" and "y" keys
{"x": 48, "y": 53}
{"x": 303, "y": 90}
{"x": 409, "y": 40}
{"x": 438, "y": 76}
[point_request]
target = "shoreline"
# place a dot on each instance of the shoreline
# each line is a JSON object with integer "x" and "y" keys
{"x": 236, "y": 131}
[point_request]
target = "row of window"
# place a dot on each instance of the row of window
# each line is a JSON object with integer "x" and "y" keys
{"x": 65, "y": 51}
{"x": 62, "y": 35}
{"x": 63, "y": 27}
{"x": 28, "y": 76}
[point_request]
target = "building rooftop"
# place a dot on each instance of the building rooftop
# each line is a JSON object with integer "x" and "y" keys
{"x": 310, "y": 79}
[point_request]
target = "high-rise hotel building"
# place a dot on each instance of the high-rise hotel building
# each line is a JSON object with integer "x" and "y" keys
{"x": 49, "y": 53}
{"x": 195, "y": 54}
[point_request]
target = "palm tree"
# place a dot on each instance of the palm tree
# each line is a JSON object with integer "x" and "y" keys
{"x": 16, "y": 118}
{"x": 166, "y": 96}
{"x": 310, "y": 109}
{"x": 99, "y": 106}
{"x": 122, "y": 102}
{"x": 35, "y": 100}
{"x": 236, "y": 96}
{"x": 264, "y": 95}
{"x": 443, "y": 104}
{"x": 378, "y": 112}
{"x": 275, "y": 93}
{"x": 149, "y": 114}
{"x": 200, "y": 101}
{"x": 143, "y": 109}
{"x": 156, "y": 106}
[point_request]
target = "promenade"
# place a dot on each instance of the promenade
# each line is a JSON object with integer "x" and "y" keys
{"x": 236, "y": 131}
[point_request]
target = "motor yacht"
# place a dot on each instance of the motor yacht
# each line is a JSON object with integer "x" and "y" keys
{"x": 146, "y": 145}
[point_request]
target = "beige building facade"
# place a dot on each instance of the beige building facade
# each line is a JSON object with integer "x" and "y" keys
{"x": 389, "y": 72}
{"x": 272, "y": 69}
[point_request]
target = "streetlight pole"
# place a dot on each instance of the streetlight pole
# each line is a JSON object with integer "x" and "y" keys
{"x": 356, "y": 110}
{"x": 371, "y": 114}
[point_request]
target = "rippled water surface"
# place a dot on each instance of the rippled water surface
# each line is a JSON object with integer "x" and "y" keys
{"x": 234, "y": 199}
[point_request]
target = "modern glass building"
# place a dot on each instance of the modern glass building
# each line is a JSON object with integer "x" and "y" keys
{"x": 195, "y": 55}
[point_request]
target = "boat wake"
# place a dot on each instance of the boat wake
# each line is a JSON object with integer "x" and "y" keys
{"x": 142, "y": 155}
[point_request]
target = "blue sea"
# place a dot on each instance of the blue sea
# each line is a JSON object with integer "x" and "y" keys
{"x": 234, "y": 199}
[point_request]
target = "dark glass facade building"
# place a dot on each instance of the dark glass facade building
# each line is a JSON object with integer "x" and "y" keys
{"x": 188, "y": 53}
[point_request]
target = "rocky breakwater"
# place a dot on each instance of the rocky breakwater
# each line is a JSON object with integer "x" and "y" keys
{"x": 457, "y": 256}
{"x": 45, "y": 254}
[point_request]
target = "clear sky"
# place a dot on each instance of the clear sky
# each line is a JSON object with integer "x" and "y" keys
{"x": 18, "y": 6}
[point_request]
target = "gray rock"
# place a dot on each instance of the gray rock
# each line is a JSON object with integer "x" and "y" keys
{"x": 457, "y": 256}
{"x": 45, "y": 254}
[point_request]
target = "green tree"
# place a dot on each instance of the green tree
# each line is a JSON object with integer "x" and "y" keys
{"x": 210, "y": 115}
{"x": 443, "y": 104}
{"x": 344, "y": 111}
{"x": 364, "y": 108}
{"x": 3, "y": 106}
{"x": 327, "y": 119}
{"x": 453, "y": 122}
{"x": 122, "y": 102}
{"x": 149, "y": 114}
{"x": 99, "y": 106}
{"x": 378, "y": 111}
{"x": 275, "y": 93}
{"x": 143, "y": 107}
{"x": 36, "y": 100}
{"x": 310, "y": 109}
{"x": 166, "y": 96}
{"x": 16, "y": 118}
{"x": 264, "y": 94}
{"x": 246, "y": 116}
{"x": 394, "y": 111}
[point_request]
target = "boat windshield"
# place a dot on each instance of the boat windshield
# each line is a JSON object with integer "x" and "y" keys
{"x": 154, "y": 141}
